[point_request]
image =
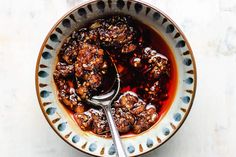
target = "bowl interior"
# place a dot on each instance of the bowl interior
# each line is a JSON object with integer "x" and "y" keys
{"x": 61, "y": 121}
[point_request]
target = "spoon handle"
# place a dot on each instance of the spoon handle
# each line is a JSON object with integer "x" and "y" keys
{"x": 114, "y": 132}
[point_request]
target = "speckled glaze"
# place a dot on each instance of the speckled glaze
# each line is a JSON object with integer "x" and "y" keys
{"x": 61, "y": 121}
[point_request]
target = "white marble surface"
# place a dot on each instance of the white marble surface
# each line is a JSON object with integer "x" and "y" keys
{"x": 210, "y": 27}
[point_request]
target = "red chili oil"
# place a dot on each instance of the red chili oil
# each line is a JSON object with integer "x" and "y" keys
{"x": 132, "y": 79}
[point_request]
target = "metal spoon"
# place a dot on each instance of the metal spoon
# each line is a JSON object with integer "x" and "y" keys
{"x": 105, "y": 101}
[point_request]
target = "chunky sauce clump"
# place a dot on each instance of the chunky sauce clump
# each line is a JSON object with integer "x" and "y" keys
{"x": 144, "y": 62}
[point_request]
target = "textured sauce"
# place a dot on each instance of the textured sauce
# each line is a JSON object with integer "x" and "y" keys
{"x": 131, "y": 80}
{"x": 135, "y": 79}
{"x": 157, "y": 42}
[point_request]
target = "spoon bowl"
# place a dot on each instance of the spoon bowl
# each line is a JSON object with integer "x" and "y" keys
{"x": 105, "y": 101}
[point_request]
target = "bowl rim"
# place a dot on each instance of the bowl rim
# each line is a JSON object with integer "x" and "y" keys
{"x": 136, "y": 1}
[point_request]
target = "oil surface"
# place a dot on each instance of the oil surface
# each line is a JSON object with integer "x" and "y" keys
{"x": 132, "y": 79}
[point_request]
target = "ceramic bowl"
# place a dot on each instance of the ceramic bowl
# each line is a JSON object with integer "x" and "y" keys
{"x": 61, "y": 121}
